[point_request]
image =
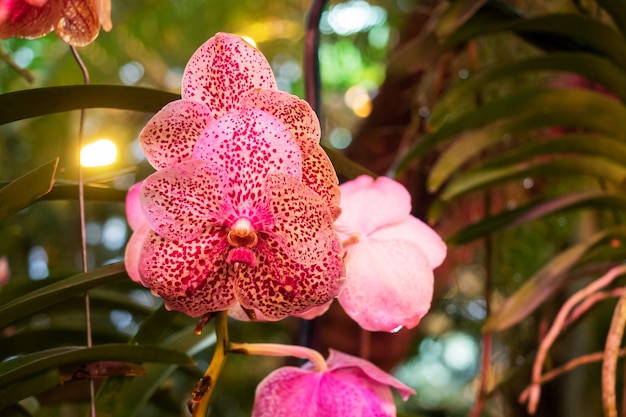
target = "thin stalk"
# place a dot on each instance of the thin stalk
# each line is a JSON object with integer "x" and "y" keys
{"x": 201, "y": 395}
{"x": 274, "y": 349}
{"x": 611, "y": 353}
{"x": 309, "y": 329}
{"x": 81, "y": 209}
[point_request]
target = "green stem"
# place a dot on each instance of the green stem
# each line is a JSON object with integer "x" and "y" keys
{"x": 201, "y": 395}
{"x": 273, "y": 349}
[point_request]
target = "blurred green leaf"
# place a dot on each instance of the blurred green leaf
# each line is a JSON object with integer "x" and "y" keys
{"x": 59, "y": 291}
{"x": 545, "y": 282}
{"x": 593, "y": 67}
{"x": 32, "y": 365}
{"x": 531, "y": 108}
{"x": 125, "y": 397}
{"x": 34, "y": 102}
{"x": 507, "y": 219}
{"x": 592, "y": 35}
{"x": 27, "y": 189}
{"x": 617, "y": 11}
{"x": 457, "y": 13}
{"x": 570, "y": 165}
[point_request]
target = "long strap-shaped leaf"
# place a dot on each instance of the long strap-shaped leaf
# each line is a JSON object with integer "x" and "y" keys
{"x": 545, "y": 282}
{"x": 27, "y": 189}
{"x": 537, "y": 209}
{"x": 24, "y": 104}
{"x": 556, "y": 107}
{"x": 59, "y": 291}
{"x": 32, "y": 365}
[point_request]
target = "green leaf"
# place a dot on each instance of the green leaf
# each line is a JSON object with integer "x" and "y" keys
{"x": 34, "y": 102}
{"x": 530, "y": 109}
{"x": 27, "y": 189}
{"x": 592, "y": 35}
{"x": 593, "y": 67}
{"x": 59, "y": 291}
{"x": 471, "y": 144}
{"x": 347, "y": 167}
{"x": 507, "y": 219}
{"x": 32, "y": 365}
{"x": 617, "y": 11}
{"x": 125, "y": 397}
{"x": 569, "y": 165}
{"x": 545, "y": 282}
{"x": 455, "y": 15}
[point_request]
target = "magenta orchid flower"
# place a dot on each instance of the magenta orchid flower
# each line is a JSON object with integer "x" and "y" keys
{"x": 240, "y": 210}
{"x": 390, "y": 255}
{"x": 346, "y": 386}
{"x": 76, "y": 22}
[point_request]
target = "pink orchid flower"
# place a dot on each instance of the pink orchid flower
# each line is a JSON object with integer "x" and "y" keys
{"x": 241, "y": 207}
{"x": 390, "y": 255}
{"x": 347, "y": 387}
{"x": 226, "y": 75}
{"x": 76, "y": 22}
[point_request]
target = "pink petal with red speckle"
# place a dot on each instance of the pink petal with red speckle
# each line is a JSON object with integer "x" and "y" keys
{"x": 191, "y": 277}
{"x": 302, "y": 223}
{"x": 237, "y": 312}
{"x": 278, "y": 286}
{"x": 369, "y": 204}
{"x": 169, "y": 137}
{"x": 134, "y": 213}
{"x": 389, "y": 284}
{"x": 221, "y": 70}
{"x": 133, "y": 251}
{"x": 182, "y": 201}
{"x": 247, "y": 145}
{"x": 295, "y": 113}
{"x": 317, "y": 170}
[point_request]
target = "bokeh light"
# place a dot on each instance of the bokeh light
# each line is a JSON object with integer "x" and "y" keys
{"x": 102, "y": 152}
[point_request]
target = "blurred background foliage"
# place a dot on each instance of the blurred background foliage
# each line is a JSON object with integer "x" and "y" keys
{"x": 507, "y": 129}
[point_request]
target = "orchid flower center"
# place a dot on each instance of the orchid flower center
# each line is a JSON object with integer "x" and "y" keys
{"x": 242, "y": 234}
{"x": 241, "y": 237}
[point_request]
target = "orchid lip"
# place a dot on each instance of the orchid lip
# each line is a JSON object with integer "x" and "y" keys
{"x": 242, "y": 234}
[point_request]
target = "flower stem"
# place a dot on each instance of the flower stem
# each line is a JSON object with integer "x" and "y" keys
{"x": 201, "y": 395}
{"x": 273, "y": 349}
{"x": 611, "y": 353}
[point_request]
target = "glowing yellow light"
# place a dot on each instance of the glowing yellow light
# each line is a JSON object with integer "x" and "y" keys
{"x": 99, "y": 153}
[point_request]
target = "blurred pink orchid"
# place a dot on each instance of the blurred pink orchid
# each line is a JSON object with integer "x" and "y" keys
{"x": 233, "y": 219}
{"x": 390, "y": 255}
{"x": 347, "y": 387}
{"x": 76, "y": 22}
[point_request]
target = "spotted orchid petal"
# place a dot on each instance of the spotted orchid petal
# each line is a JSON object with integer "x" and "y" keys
{"x": 317, "y": 170}
{"x": 79, "y": 23}
{"x": 27, "y": 19}
{"x": 237, "y": 312}
{"x": 221, "y": 70}
{"x": 279, "y": 287}
{"x": 76, "y": 22}
{"x": 191, "y": 277}
{"x": 350, "y": 387}
{"x": 301, "y": 223}
{"x": 171, "y": 134}
{"x": 247, "y": 145}
{"x": 182, "y": 201}
{"x": 389, "y": 284}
